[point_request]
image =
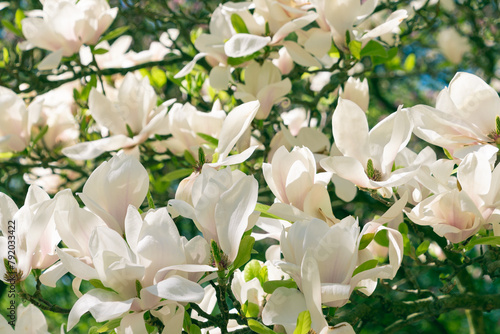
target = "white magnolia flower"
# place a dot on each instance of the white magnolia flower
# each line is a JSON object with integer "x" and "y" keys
{"x": 65, "y": 25}
{"x": 132, "y": 119}
{"x": 113, "y": 186}
{"x": 324, "y": 261}
{"x": 356, "y": 91}
{"x": 154, "y": 263}
{"x": 452, "y": 44}
{"x": 263, "y": 83}
{"x": 222, "y": 205}
{"x": 15, "y": 125}
{"x": 299, "y": 190}
{"x": 33, "y": 228}
{"x": 464, "y": 119}
{"x": 29, "y": 319}
{"x": 337, "y": 17}
{"x": 368, "y": 156}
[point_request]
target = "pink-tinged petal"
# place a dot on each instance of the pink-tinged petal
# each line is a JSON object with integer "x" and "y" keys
{"x": 241, "y": 45}
{"x": 234, "y": 126}
{"x": 270, "y": 94}
{"x": 474, "y": 175}
{"x": 283, "y": 308}
{"x": 288, "y": 212}
{"x": 232, "y": 212}
{"x": 393, "y": 21}
{"x": 77, "y": 267}
{"x": 317, "y": 203}
{"x": 299, "y": 55}
{"x": 311, "y": 287}
{"x": 52, "y": 61}
{"x": 319, "y": 42}
{"x": 298, "y": 183}
{"x": 92, "y": 149}
{"x": 292, "y": 26}
{"x": 103, "y": 305}
{"x": 178, "y": 289}
{"x": 347, "y": 168}
{"x": 133, "y": 323}
{"x": 397, "y": 178}
{"x": 350, "y": 130}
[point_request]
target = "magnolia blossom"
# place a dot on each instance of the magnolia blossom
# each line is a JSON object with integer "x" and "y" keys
{"x": 113, "y": 186}
{"x": 33, "y": 228}
{"x": 29, "y": 319}
{"x": 368, "y": 157}
{"x": 132, "y": 119}
{"x": 465, "y": 117}
{"x": 337, "y": 17}
{"x": 154, "y": 263}
{"x": 222, "y": 205}
{"x": 263, "y": 83}
{"x": 56, "y": 110}
{"x": 285, "y": 305}
{"x": 356, "y": 91}
{"x": 299, "y": 190}
{"x": 63, "y": 26}
{"x": 15, "y": 123}
{"x": 452, "y": 44}
{"x": 325, "y": 262}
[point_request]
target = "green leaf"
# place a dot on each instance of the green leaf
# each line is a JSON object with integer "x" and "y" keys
{"x": 257, "y": 327}
{"x": 187, "y": 320}
{"x": 151, "y": 203}
{"x": 262, "y": 208}
{"x": 381, "y": 238}
{"x": 403, "y": 228}
{"x": 16, "y": 31}
{"x": 244, "y": 252}
{"x": 355, "y": 48}
{"x": 189, "y": 158}
{"x": 98, "y": 284}
{"x": 448, "y": 154}
{"x": 93, "y": 330}
{"x": 238, "y": 24}
{"x": 194, "y": 329}
{"x": 240, "y": 60}
{"x": 201, "y": 156}
{"x": 409, "y": 63}
{"x": 334, "y": 52}
{"x": 373, "y": 48}
{"x": 365, "y": 240}
{"x": 492, "y": 241}
{"x": 211, "y": 140}
{"x": 100, "y": 51}
{"x": 40, "y": 134}
{"x": 177, "y": 174}
{"x": 251, "y": 310}
{"x": 84, "y": 95}
{"x": 159, "y": 77}
{"x": 497, "y": 125}
{"x": 303, "y": 323}
{"x": 422, "y": 248}
{"x": 109, "y": 326}
{"x": 270, "y": 286}
{"x": 19, "y": 17}
{"x": 114, "y": 33}
{"x": 252, "y": 270}
{"x": 370, "y": 264}
{"x": 216, "y": 252}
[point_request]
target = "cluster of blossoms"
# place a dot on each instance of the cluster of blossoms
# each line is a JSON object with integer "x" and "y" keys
{"x": 141, "y": 266}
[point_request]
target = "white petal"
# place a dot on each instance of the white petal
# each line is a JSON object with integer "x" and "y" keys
{"x": 241, "y": 45}
{"x": 178, "y": 289}
{"x": 52, "y": 61}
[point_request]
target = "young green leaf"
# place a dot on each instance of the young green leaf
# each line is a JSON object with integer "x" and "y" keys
{"x": 303, "y": 323}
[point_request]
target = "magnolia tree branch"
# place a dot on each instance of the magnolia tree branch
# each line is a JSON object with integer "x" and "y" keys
{"x": 412, "y": 311}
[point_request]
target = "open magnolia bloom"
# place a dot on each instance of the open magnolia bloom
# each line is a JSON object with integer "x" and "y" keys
{"x": 459, "y": 212}
{"x": 29, "y": 319}
{"x": 15, "y": 123}
{"x": 300, "y": 191}
{"x": 327, "y": 263}
{"x": 368, "y": 157}
{"x": 155, "y": 263}
{"x": 113, "y": 186}
{"x": 466, "y": 117}
{"x": 338, "y": 17}
{"x": 33, "y": 229}
{"x": 285, "y": 305}
{"x": 263, "y": 83}
{"x": 63, "y": 26}
{"x": 132, "y": 119}
{"x": 223, "y": 202}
